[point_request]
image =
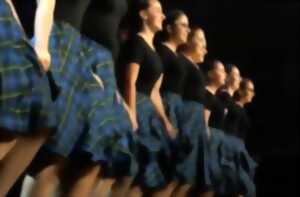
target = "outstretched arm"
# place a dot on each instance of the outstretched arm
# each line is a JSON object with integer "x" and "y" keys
{"x": 42, "y": 28}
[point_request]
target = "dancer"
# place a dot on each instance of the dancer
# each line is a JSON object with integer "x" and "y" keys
{"x": 25, "y": 95}
{"x": 140, "y": 71}
{"x": 228, "y": 150}
{"x": 181, "y": 168}
{"x": 193, "y": 52}
{"x": 237, "y": 120}
{"x": 92, "y": 121}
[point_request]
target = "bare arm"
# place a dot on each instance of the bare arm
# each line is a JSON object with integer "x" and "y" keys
{"x": 43, "y": 23}
{"x": 127, "y": 109}
{"x": 42, "y": 28}
{"x": 130, "y": 90}
{"x": 206, "y": 119}
{"x": 158, "y": 104}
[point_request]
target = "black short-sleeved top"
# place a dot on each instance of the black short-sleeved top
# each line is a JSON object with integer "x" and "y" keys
{"x": 194, "y": 85}
{"x": 71, "y": 11}
{"x": 174, "y": 71}
{"x": 217, "y": 110}
{"x": 237, "y": 121}
{"x": 225, "y": 98}
{"x": 136, "y": 50}
{"x": 26, "y": 12}
{"x": 102, "y": 20}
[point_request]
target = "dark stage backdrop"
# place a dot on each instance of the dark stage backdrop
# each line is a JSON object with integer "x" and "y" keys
{"x": 263, "y": 38}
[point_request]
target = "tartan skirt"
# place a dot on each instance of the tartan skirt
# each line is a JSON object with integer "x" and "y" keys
{"x": 239, "y": 167}
{"x": 188, "y": 148}
{"x": 152, "y": 144}
{"x": 232, "y": 168}
{"x": 25, "y": 100}
{"x": 90, "y": 117}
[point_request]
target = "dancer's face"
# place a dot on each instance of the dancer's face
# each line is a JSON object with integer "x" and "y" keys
{"x": 235, "y": 78}
{"x": 181, "y": 30}
{"x": 250, "y": 92}
{"x": 218, "y": 74}
{"x": 200, "y": 46}
{"x": 153, "y": 16}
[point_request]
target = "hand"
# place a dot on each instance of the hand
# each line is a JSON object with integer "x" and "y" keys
{"x": 44, "y": 58}
{"x": 133, "y": 121}
{"x": 171, "y": 131}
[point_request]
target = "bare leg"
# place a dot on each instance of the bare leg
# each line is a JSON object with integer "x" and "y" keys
{"x": 121, "y": 187}
{"x": 165, "y": 192}
{"x": 47, "y": 180}
{"x": 181, "y": 191}
{"x": 104, "y": 187}
{"x": 207, "y": 194}
{"x": 7, "y": 142}
{"x": 135, "y": 191}
{"x": 5, "y": 147}
{"x": 19, "y": 158}
{"x": 84, "y": 183}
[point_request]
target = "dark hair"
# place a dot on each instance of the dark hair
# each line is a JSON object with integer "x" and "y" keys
{"x": 209, "y": 66}
{"x": 229, "y": 68}
{"x": 170, "y": 20}
{"x": 135, "y": 22}
{"x": 241, "y": 92}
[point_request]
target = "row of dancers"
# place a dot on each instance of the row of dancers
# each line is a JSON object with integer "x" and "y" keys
{"x": 150, "y": 119}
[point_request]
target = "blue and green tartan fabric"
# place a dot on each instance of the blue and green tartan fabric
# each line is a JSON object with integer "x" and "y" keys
{"x": 25, "y": 101}
{"x": 110, "y": 136}
{"x": 232, "y": 168}
{"x": 190, "y": 144}
{"x": 89, "y": 118}
{"x": 151, "y": 144}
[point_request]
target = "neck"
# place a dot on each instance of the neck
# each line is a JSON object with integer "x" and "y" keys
{"x": 240, "y": 103}
{"x": 212, "y": 88}
{"x": 148, "y": 35}
{"x": 229, "y": 90}
{"x": 189, "y": 57}
{"x": 171, "y": 45}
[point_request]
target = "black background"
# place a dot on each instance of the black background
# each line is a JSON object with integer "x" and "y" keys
{"x": 262, "y": 37}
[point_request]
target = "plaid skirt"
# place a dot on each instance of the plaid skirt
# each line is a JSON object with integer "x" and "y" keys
{"x": 152, "y": 144}
{"x": 110, "y": 138}
{"x": 25, "y": 101}
{"x": 90, "y": 118}
{"x": 232, "y": 168}
{"x": 188, "y": 148}
{"x": 239, "y": 167}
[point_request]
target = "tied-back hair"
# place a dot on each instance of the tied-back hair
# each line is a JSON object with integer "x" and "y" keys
{"x": 209, "y": 66}
{"x": 133, "y": 20}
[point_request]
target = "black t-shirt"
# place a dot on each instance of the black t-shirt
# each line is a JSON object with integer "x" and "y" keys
{"x": 174, "y": 71}
{"x": 216, "y": 108}
{"x": 136, "y": 50}
{"x": 71, "y": 11}
{"x": 26, "y": 13}
{"x": 237, "y": 121}
{"x": 102, "y": 20}
{"x": 225, "y": 98}
{"x": 194, "y": 85}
